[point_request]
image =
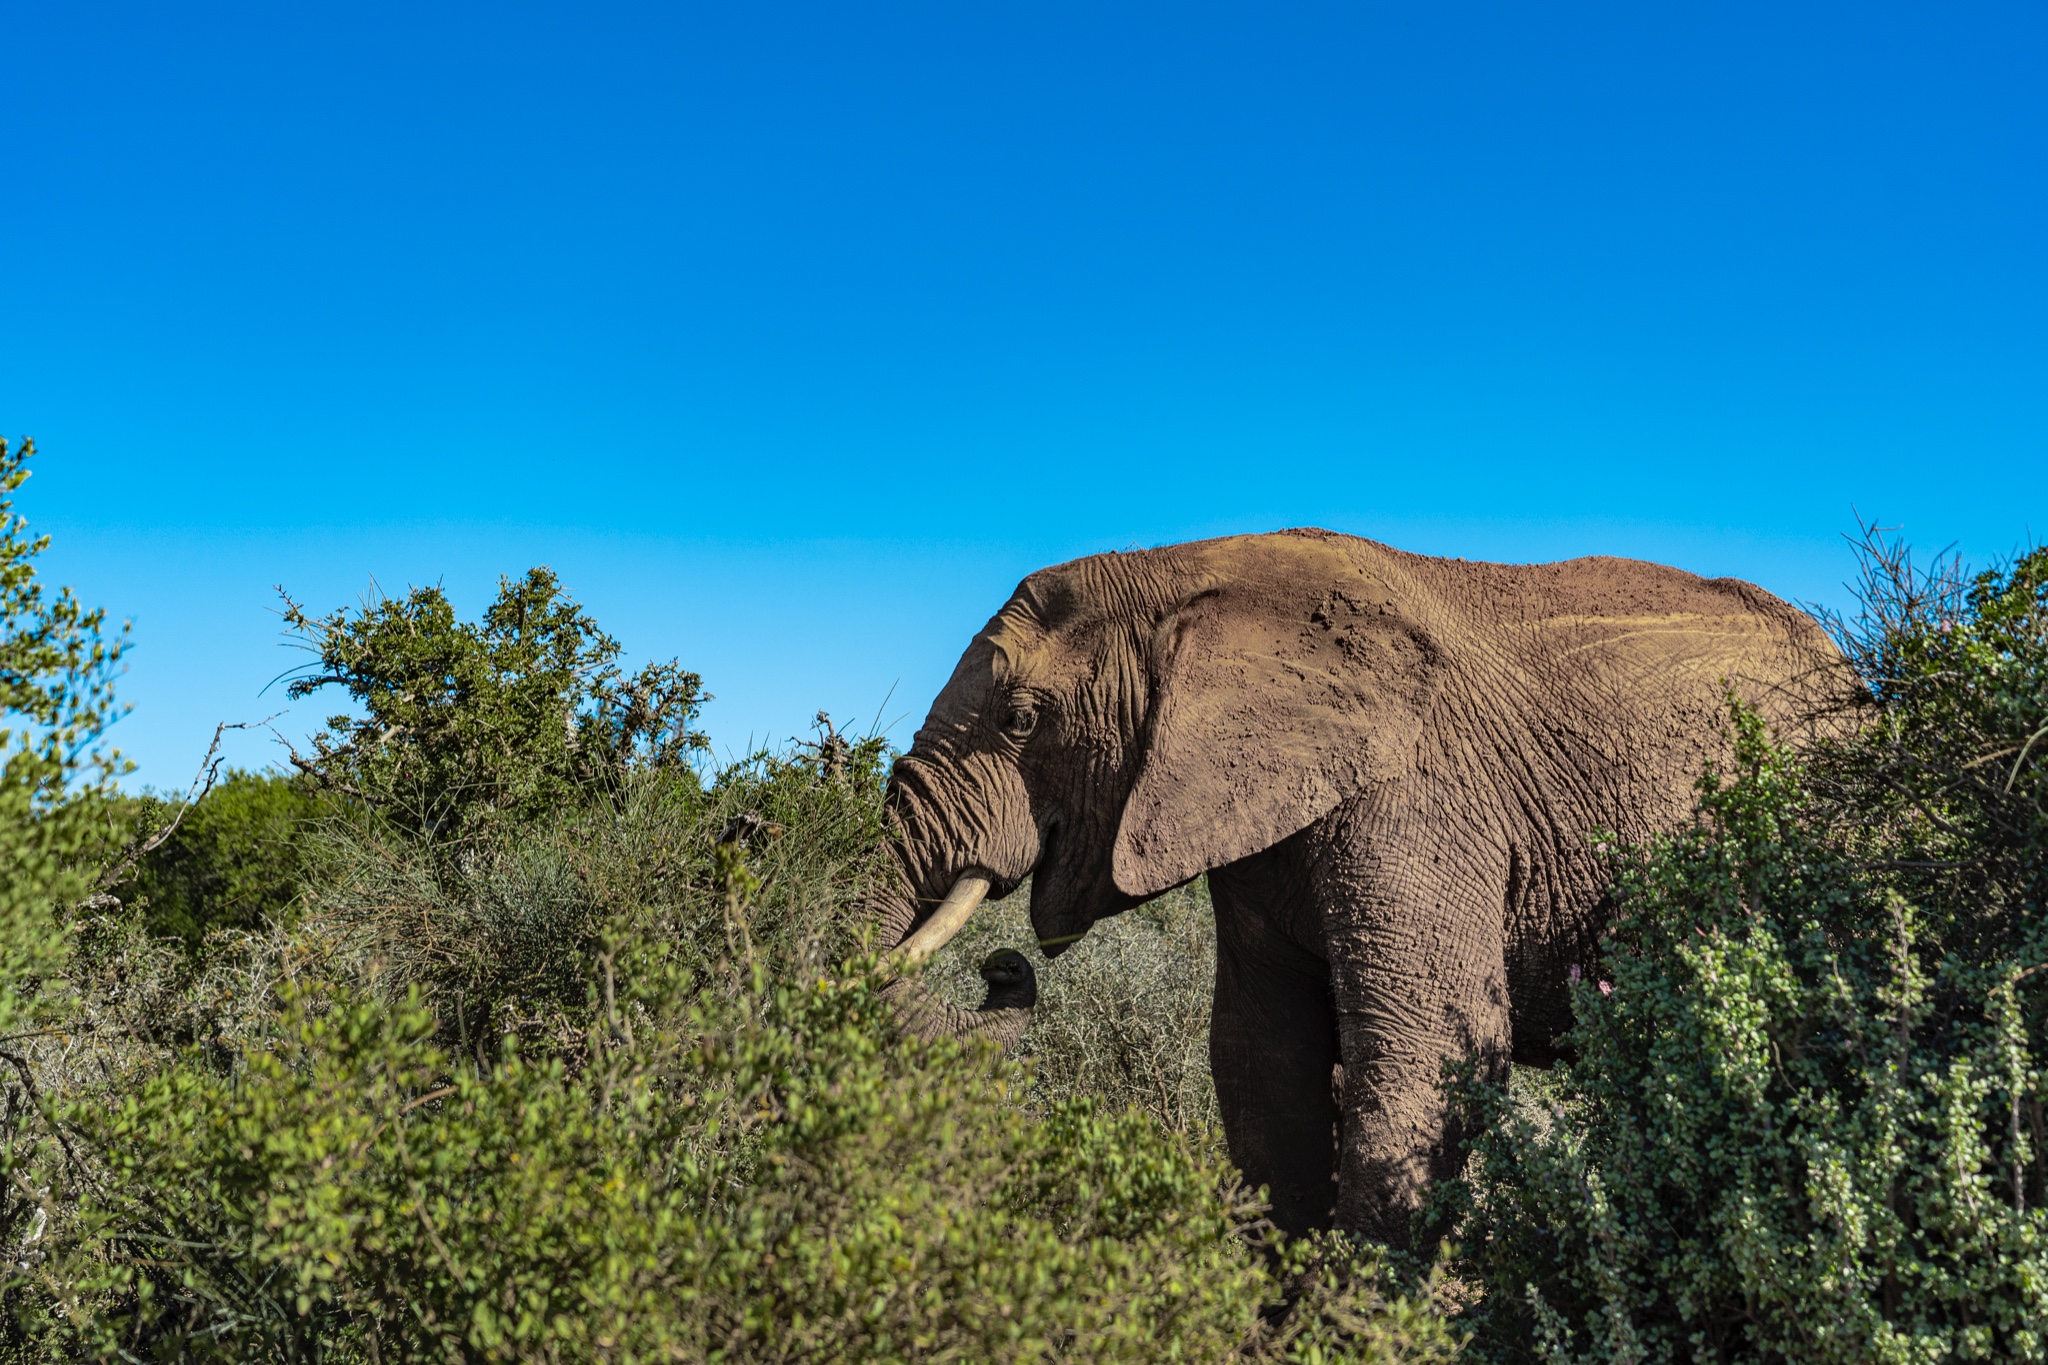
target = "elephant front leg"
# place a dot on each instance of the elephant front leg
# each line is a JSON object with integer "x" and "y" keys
{"x": 1272, "y": 1049}
{"x": 1419, "y": 978}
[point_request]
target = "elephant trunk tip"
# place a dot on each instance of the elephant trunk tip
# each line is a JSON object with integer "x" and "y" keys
{"x": 1012, "y": 981}
{"x": 1004, "y": 1014}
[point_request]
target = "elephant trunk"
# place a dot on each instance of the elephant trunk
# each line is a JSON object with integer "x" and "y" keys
{"x": 966, "y": 834}
{"x": 1012, "y": 984}
{"x": 1004, "y": 1014}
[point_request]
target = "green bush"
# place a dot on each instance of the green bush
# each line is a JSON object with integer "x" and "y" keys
{"x": 758, "y": 1171}
{"x": 1804, "y": 1120}
{"x": 56, "y": 699}
{"x": 514, "y": 716}
{"x": 1942, "y": 788}
{"x": 235, "y": 861}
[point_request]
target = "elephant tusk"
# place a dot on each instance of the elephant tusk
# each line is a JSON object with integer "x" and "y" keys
{"x": 946, "y": 921}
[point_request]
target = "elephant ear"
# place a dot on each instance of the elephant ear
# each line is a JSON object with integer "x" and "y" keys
{"x": 1264, "y": 716}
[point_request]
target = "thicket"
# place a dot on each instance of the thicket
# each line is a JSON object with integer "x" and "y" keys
{"x": 234, "y": 858}
{"x": 1804, "y": 1121}
{"x": 507, "y": 1028}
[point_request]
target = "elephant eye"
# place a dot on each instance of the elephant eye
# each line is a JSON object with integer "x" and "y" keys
{"x": 1019, "y": 721}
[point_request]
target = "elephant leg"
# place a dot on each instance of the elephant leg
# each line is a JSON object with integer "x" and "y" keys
{"x": 1273, "y": 1046}
{"x": 1419, "y": 976}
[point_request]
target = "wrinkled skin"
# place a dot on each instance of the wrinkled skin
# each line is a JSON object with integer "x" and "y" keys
{"x": 1392, "y": 768}
{"x": 1005, "y": 1009}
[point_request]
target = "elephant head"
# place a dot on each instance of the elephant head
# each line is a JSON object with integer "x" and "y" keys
{"x": 1130, "y": 721}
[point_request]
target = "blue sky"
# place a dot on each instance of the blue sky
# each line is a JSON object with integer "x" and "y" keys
{"x": 793, "y": 335}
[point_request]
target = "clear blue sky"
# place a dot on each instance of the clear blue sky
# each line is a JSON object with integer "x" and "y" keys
{"x": 793, "y": 335}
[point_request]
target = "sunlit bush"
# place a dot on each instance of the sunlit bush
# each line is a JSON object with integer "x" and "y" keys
{"x": 463, "y": 723}
{"x": 1804, "y": 1120}
{"x": 761, "y": 1170}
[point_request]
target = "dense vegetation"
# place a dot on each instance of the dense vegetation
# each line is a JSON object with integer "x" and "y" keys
{"x": 503, "y": 1025}
{"x": 505, "y": 1028}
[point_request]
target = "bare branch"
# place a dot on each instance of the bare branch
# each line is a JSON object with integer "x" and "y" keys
{"x": 143, "y": 846}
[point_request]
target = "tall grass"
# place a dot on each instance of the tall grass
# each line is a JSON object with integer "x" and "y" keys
{"x": 506, "y": 933}
{"x": 1122, "y": 1015}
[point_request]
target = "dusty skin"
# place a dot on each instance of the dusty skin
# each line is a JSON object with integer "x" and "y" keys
{"x": 1392, "y": 767}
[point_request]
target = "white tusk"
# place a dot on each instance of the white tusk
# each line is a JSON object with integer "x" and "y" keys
{"x": 945, "y": 922}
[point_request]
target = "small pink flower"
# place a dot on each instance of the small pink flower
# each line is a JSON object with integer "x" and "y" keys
{"x": 1606, "y": 989}
{"x": 1576, "y": 974}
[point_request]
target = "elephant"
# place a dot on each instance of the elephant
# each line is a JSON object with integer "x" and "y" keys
{"x": 1393, "y": 770}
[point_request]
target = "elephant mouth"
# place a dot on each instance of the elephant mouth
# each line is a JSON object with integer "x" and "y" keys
{"x": 1051, "y": 878}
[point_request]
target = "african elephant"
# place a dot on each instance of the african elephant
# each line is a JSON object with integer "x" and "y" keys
{"x": 1391, "y": 767}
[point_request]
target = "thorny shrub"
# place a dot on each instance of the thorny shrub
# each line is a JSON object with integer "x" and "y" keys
{"x": 1123, "y": 1015}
